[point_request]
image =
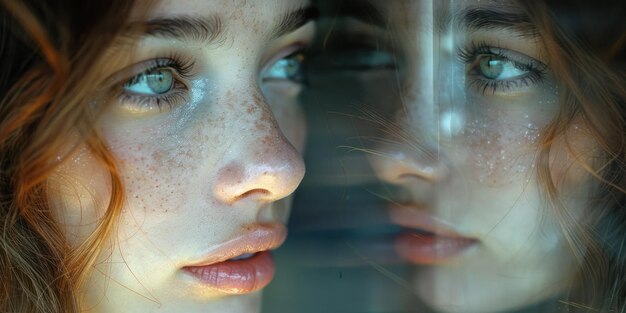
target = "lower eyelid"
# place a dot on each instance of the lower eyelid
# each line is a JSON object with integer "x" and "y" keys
{"x": 145, "y": 104}
{"x": 494, "y": 87}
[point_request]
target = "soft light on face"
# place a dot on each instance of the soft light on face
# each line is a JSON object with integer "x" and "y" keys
{"x": 479, "y": 225}
{"x": 207, "y": 133}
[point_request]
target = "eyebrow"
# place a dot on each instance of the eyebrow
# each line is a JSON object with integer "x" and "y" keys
{"x": 480, "y": 18}
{"x": 210, "y": 29}
{"x": 362, "y": 10}
{"x": 294, "y": 20}
{"x": 205, "y": 29}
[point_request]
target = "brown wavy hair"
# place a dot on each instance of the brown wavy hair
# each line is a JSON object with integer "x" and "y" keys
{"x": 586, "y": 48}
{"x": 52, "y": 53}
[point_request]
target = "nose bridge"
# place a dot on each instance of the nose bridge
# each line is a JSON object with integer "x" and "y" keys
{"x": 266, "y": 167}
{"x": 417, "y": 154}
{"x": 421, "y": 100}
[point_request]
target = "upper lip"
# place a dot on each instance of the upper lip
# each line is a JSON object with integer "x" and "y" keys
{"x": 255, "y": 238}
{"x": 417, "y": 217}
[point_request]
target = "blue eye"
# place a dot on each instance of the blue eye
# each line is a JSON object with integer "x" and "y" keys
{"x": 151, "y": 83}
{"x": 159, "y": 88}
{"x": 498, "y": 68}
{"x": 491, "y": 69}
{"x": 287, "y": 68}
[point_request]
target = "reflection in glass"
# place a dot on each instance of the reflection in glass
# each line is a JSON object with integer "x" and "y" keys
{"x": 493, "y": 134}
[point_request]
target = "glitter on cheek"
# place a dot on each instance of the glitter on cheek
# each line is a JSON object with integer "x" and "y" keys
{"x": 500, "y": 148}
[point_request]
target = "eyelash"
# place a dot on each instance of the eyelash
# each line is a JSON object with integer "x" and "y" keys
{"x": 536, "y": 70}
{"x": 181, "y": 67}
{"x": 177, "y": 95}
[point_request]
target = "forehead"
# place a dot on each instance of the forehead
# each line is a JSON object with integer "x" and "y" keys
{"x": 410, "y": 12}
{"x": 399, "y": 5}
{"x": 235, "y": 14}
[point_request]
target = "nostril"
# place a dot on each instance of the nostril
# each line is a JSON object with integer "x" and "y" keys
{"x": 257, "y": 193}
{"x": 433, "y": 173}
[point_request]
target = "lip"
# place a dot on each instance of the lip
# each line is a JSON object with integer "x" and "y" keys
{"x": 429, "y": 240}
{"x": 217, "y": 271}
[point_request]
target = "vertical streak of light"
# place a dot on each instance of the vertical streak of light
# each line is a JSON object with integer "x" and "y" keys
{"x": 427, "y": 70}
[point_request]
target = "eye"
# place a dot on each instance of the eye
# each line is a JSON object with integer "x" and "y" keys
{"x": 498, "y": 68}
{"x": 158, "y": 88}
{"x": 153, "y": 82}
{"x": 288, "y": 68}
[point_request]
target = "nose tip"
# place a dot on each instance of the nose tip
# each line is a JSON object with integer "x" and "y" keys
{"x": 397, "y": 166}
{"x": 264, "y": 177}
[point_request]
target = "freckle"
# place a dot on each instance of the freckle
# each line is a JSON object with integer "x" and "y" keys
{"x": 232, "y": 173}
{"x": 157, "y": 156}
{"x": 229, "y": 99}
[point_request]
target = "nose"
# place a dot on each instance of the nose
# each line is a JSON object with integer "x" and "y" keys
{"x": 268, "y": 167}
{"x": 404, "y": 164}
{"x": 270, "y": 175}
{"x": 412, "y": 150}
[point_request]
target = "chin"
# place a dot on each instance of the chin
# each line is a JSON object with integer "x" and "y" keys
{"x": 454, "y": 289}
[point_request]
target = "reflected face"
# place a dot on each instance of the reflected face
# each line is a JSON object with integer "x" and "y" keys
{"x": 477, "y": 98}
{"x": 207, "y": 134}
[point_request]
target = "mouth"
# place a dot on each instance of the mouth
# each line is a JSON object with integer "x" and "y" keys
{"x": 243, "y": 264}
{"x": 427, "y": 239}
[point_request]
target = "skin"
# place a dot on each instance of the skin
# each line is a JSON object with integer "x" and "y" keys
{"x": 197, "y": 174}
{"x": 475, "y": 168}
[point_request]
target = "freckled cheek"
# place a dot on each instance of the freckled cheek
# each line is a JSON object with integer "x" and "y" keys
{"x": 148, "y": 180}
{"x": 159, "y": 174}
{"x": 500, "y": 148}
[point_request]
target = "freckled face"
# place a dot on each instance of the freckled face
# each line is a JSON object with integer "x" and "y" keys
{"x": 207, "y": 136}
{"x": 478, "y": 102}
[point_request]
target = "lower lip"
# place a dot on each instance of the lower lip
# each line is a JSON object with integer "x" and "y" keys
{"x": 237, "y": 277}
{"x": 428, "y": 249}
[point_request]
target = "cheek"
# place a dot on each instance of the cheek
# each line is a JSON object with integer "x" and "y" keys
{"x": 502, "y": 140}
{"x": 78, "y": 193}
{"x": 499, "y": 152}
{"x": 158, "y": 168}
{"x": 569, "y": 155}
{"x": 149, "y": 177}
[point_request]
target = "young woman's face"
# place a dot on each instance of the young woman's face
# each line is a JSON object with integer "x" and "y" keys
{"x": 477, "y": 96}
{"x": 207, "y": 133}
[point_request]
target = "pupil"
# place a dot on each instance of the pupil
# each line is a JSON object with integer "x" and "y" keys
{"x": 160, "y": 81}
{"x": 292, "y": 67}
{"x": 491, "y": 67}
